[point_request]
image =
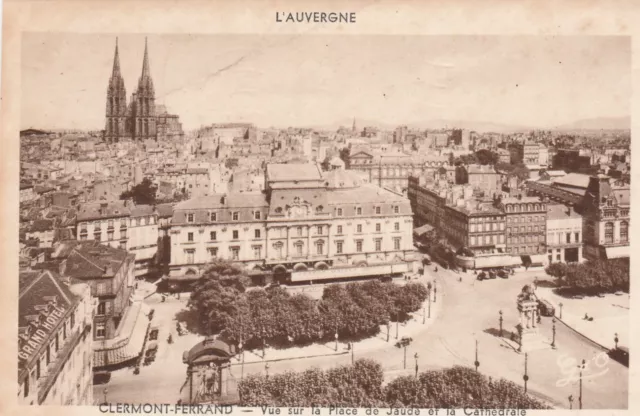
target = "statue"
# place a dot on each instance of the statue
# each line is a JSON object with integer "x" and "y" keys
{"x": 528, "y": 307}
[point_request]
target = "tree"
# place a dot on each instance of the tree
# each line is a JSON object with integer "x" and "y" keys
{"x": 487, "y": 157}
{"x": 345, "y": 153}
{"x": 143, "y": 193}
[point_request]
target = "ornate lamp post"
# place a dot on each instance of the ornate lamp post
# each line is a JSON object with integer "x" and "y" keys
{"x": 616, "y": 339}
{"x": 416, "y": 357}
{"x": 560, "y": 304}
{"x": 266, "y": 370}
{"x": 526, "y": 375}
{"x": 404, "y": 343}
{"x": 476, "y": 362}
{"x": 553, "y": 330}
{"x": 500, "y": 323}
{"x": 580, "y": 396}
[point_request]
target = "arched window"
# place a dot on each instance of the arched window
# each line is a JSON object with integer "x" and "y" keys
{"x": 608, "y": 233}
{"x": 624, "y": 231}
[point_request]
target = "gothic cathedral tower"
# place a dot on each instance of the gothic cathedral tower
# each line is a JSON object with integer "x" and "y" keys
{"x": 143, "y": 102}
{"x": 116, "y": 103}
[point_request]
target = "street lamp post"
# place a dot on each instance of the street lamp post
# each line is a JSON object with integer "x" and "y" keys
{"x": 526, "y": 375}
{"x": 435, "y": 292}
{"x": 105, "y": 394}
{"x": 560, "y": 304}
{"x": 266, "y": 370}
{"x": 351, "y": 346}
{"x": 500, "y": 323}
{"x": 476, "y": 362}
{"x": 553, "y": 330}
{"x": 429, "y": 303}
{"x": 388, "y": 330}
{"x": 580, "y": 396}
{"x": 242, "y": 360}
{"x": 336, "y": 336}
{"x": 519, "y": 338}
{"x": 404, "y": 343}
{"x": 616, "y": 339}
{"x": 416, "y": 357}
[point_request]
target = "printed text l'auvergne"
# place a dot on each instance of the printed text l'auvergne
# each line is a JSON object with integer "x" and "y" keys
{"x": 315, "y": 17}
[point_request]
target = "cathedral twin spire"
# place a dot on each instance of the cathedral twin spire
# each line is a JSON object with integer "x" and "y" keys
{"x": 137, "y": 119}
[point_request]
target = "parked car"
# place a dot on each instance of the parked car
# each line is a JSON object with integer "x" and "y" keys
{"x": 503, "y": 274}
{"x": 621, "y": 355}
{"x": 101, "y": 377}
{"x": 546, "y": 308}
{"x": 482, "y": 276}
{"x": 492, "y": 274}
{"x": 426, "y": 261}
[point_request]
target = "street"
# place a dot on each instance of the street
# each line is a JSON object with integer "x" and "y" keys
{"x": 469, "y": 312}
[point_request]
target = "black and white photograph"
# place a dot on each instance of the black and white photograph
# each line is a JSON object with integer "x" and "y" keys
{"x": 323, "y": 220}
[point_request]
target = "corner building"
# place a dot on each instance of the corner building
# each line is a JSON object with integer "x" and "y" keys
{"x": 304, "y": 221}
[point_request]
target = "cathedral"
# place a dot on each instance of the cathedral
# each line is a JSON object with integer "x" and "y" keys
{"x": 141, "y": 119}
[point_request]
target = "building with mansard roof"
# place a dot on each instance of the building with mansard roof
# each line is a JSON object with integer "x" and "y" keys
{"x": 54, "y": 340}
{"x": 304, "y": 221}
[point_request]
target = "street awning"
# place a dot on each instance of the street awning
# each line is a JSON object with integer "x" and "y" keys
{"x": 129, "y": 339}
{"x": 489, "y": 262}
{"x": 538, "y": 259}
{"x": 617, "y": 252}
{"x": 423, "y": 229}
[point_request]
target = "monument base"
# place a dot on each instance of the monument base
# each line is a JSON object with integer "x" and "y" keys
{"x": 532, "y": 341}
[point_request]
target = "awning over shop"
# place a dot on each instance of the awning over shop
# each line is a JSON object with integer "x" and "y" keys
{"x": 617, "y": 252}
{"x": 538, "y": 259}
{"x": 489, "y": 262}
{"x": 423, "y": 229}
{"x": 129, "y": 339}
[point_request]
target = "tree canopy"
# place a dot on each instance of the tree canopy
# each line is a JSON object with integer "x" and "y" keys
{"x": 592, "y": 277}
{"x": 361, "y": 385}
{"x": 143, "y": 193}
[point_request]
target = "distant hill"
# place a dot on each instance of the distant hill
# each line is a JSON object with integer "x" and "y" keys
{"x": 600, "y": 123}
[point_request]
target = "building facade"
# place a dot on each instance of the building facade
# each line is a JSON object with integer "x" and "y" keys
{"x": 54, "y": 342}
{"x": 607, "y": 218}
{"x": 301, "y": 222}
{"x": 564, "y": 234}
{"x": 526, "y": 219}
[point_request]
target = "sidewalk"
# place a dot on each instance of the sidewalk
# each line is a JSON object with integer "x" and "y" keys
{"x": 610, "y": 316}
{"x": 410, "y": 328}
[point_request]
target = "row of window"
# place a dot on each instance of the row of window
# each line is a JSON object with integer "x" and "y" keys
{"x": 135, "y": 222}
{"x": 557, "y": 238}
{"x": 524, "y": 250}
{"x": 608, "y": 232}
{"x": 525, "y": 229}
{"x": 487, "y": 239}
{"x": 518, "y": 239}
{"x": 487, "y": 227}
{"x": 257, "y": 233}
{"x": 234, "y": 251}
{"x": 524, "y": 207}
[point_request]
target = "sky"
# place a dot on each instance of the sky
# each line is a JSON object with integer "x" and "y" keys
{"x": 317, "y": 80}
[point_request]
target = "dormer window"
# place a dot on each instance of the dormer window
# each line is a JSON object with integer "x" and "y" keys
{"x": 358, "y": 211}
{"x": 236, "y": 216}
{"x": 378, "y": 210}
{"x": 190, "y": 218}
{"x": 339, "y": 212}
{"x": 256, "y": 215}
{"x": 213, "y": 217}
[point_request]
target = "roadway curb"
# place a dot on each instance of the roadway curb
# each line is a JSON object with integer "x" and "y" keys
{"x": 291, "y": 358}
{"x": 583, "y": 335}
